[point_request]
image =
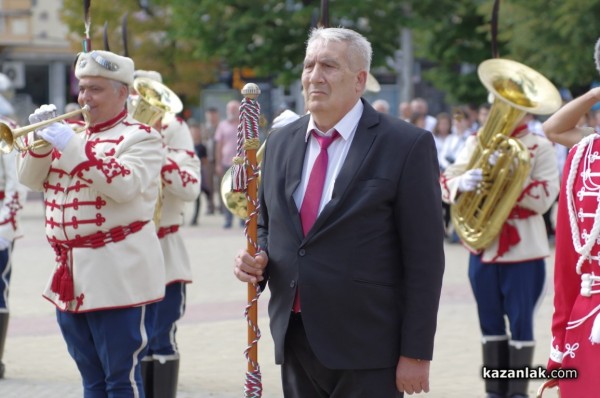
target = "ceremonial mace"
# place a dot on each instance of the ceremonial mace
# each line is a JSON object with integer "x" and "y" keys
{"x": 245, "y": 175}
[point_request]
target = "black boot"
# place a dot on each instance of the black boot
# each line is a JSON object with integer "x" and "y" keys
{"x": 495, "y": 356}
{"x": 3, "y": 330}
{"x": 147, "y": 366}
{"x": 519, "y": 357}
{"x": 165, "y": 378}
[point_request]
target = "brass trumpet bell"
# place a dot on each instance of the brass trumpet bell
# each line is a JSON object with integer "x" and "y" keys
{"x": 9, "y": 138}
{"x": 154, "y": 102}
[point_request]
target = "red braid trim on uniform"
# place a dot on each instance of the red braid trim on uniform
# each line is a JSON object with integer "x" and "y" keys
{"x": 518, "y": 130}
{"x": 13, "y": 205}
{"x": 108, "y": 124}
{"x": 533, "y": 184}
{"x": 445, "y": 188}
{"x": 62, "y": 280}
{"x": 509, "y": 235}
{"x": 171, "y": 166}
{"x": 164, "y": 231}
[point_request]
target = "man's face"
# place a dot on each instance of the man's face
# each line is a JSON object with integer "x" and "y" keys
{"x": 330, "y": 86}
{"x": 105, "y": 101}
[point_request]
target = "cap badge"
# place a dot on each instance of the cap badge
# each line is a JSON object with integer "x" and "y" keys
{"x": 103, "y": 62}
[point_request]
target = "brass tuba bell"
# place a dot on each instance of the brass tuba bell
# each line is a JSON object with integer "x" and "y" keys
{"x": 478, "y": 216}
{"x": 155, "y": 100}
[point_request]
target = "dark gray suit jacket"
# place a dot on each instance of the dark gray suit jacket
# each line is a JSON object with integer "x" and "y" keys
{"x": 370, "y": 270}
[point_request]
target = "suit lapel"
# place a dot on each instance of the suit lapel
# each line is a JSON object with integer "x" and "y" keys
{"x": 361, "y": 145}
{"x": 296, "y": 151}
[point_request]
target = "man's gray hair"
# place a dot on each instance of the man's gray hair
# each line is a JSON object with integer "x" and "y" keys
{"x": 359, "y": 47}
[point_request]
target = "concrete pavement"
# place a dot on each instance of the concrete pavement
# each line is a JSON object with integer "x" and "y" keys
{"x": 212, "y": 334}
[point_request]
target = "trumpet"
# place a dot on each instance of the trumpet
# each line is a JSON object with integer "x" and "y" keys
{"x": 9, "y": 137}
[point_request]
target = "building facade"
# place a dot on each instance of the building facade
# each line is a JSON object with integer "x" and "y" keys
{"x": 35, "y": 54}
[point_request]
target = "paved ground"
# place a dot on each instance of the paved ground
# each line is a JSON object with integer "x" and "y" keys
{"x": 212, "y": 335}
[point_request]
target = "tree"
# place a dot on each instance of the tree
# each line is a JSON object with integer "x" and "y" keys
{"x": 556, "y": 38}
{"x": 150, "y": 42}
{"x": 189, "y": 41}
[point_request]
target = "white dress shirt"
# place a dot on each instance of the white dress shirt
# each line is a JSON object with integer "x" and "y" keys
{"x": 336, "y": 152}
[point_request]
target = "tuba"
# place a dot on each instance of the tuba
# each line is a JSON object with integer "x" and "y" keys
{"x": 154, "y": 102}
{"x": 478, "y": 216}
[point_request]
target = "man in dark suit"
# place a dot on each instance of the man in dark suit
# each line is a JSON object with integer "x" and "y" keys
{"x": 355, "y": 275}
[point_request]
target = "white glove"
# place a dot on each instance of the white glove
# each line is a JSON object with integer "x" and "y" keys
{"x": 469, "y": 180}
{"x": 4, "y": 243}
{"x": 42, "y": 113}
{"x": 493, "y": 159}
{"x": 57, "y": 134}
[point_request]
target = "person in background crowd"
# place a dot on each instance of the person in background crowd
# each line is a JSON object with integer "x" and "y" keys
{"x": 473, "y": 112}
{"x": 441, "y": 133}
{"x": 404, "y": 111}
{"x": 381, "y": 105}
{"x": 354, "y": 271}
{"x": 418, "y": 119}
{"x": 12, "y": 198}
{"x": 482, "y": 114}
{"x": 226, "y": 147}
{"x": 575, "y": 334}
{"x": 455, "y": 141}
{"x": 76, "y": 120}
{"x": 442, "y": 130}
{"x": 507, "y": 276}
{"x": 533, "y": 124}
{"x": 211, "y": 121}
{"x": 201, "y": 153}
{"x": 100, "y": 190}
{"x": 419, "y": 105}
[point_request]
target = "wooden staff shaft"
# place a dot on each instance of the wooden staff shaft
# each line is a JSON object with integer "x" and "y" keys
{"x": 252, "y": 189}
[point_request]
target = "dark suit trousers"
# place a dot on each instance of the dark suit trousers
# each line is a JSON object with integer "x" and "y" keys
{"x": 304, "y": 376}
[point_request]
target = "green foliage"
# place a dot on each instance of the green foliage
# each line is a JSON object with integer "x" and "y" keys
{"x": 150, "y": 42}
{"x": 191, "y": 40}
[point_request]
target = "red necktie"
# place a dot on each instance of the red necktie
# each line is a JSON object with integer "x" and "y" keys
{"x": 314, "y": 190}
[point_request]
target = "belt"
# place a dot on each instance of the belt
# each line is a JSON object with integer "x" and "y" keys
{"x": 62, "y": 280}
{"x": 588, "y": 281}
{"x": 164, "y": 231}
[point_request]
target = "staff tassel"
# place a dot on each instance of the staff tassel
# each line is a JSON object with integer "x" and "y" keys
{"x": 245, "y": 179}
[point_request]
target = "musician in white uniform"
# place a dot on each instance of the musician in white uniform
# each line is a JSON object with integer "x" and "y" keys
{"x": 12, "y": 198}
{"x": 507, "y": 277}
{"x": 100, "y": 189}
{"x": 180, "y": 184}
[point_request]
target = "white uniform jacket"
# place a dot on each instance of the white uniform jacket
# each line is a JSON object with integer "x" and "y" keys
{"x": 181, "y": 183}
{"x": 12, "y": 193}
{"x": 99, "y": 195}
{"x": 523, "y": 236}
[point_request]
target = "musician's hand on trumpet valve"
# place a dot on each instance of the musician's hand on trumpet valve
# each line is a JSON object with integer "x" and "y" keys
{"x": 44, "y": 112}
{"x": 57, "y": 134}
